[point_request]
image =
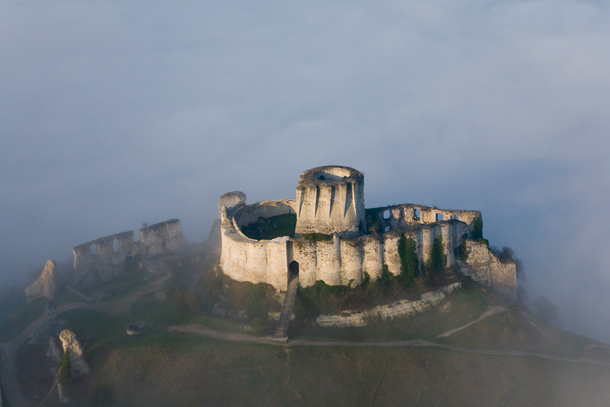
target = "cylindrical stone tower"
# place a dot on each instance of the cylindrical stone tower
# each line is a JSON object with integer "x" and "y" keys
{"x": 331, "y": 200}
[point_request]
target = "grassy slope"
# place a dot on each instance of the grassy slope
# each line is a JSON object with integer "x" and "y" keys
{"x": 162, "y": 369}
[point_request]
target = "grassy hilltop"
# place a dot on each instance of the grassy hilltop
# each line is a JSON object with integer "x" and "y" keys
{"x": 508, "y": 359}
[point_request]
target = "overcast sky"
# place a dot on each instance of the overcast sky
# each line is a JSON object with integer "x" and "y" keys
{"x": 115, "y": 113}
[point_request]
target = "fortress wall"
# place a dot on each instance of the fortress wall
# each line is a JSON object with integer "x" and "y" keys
{"x": 105, "y": 264}
{"x": 351, "y": 262}
{"x": 427, "y": 238}
{"x": 403, "y": 216}
{"x": 234, "y": 256}
{"x": 391, "y": 256}
{"x": 162, "y": 238}
{"x": 231, "y": 200}
{"x": 327, "y": 260}
{"x": 305, "y": 254}
{"x": 247, "y": 214}
{"x": 277, "y": 264}
{"x": 448, "y": 232}
{"x": 255, "y": 268}
{"x": 373, "y": 256}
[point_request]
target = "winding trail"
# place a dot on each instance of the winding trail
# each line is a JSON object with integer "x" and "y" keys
{"x": 269, "y": 340}
{"x": 490, "y": 311}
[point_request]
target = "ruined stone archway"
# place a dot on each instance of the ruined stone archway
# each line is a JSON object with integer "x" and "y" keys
{"x": 293, "y": 268}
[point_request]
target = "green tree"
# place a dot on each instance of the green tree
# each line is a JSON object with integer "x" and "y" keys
{"x": 409, "y": 263}
{"x": 438, "y": 259}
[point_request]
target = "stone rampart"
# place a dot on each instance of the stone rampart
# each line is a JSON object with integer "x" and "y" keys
{"x": 401, "y": 217}
{"x": 103, "y": 259}
{"x": 330, "y": 243}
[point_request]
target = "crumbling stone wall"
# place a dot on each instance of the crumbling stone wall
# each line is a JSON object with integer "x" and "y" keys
{"x": 102, "y": 259}
{"x": 322, "y": 207}
{"x": 400, "y": 217}
{"x": 161, "y": 238}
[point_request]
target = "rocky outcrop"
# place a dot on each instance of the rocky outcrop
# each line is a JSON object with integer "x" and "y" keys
{"x": 46, "y": 285}
{"x": 70, "y": 343}
{"x": 485, "y": 268}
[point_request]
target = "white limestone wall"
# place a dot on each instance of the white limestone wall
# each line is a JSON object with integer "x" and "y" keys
{"x": 341, "y": 260}
{"x": 351, "y": 262}
{"x": 327, "y": 259}
{"x": 305, "y": 253}
{"x": 373, "y": 256}
{"x": 390, "y": 254}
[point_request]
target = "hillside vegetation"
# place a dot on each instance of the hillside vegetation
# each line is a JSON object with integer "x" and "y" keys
{"x": 510, "y": 358}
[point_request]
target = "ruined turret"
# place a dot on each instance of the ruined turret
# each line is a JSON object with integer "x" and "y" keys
{"x": 330, "y": 200}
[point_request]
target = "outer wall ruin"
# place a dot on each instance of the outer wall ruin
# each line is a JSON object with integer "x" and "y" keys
{"x": 350, "y": 253}
{"x": 103, "y": 259}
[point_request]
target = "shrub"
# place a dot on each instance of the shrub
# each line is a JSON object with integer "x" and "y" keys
{"x": 461, "y": 252}
{"x": 320, "y": 237}
{"x": 477, "y": 229}
{"x": 64, "y": 373}
{"x": 409, "y": 263}
{"x": 505, "y": 255}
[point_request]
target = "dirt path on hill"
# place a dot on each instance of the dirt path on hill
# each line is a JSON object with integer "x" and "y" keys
{"x": 8, "y": 349}
{"x": 490, "y": 311}
{"x": 268, "y": 340}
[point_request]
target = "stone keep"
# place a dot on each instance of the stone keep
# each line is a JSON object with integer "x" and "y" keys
{"x": 330, "y": 201}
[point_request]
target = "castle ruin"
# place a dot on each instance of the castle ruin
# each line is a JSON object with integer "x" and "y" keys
{"x": 104, "y": 259}
{"x": 332, "y": 240}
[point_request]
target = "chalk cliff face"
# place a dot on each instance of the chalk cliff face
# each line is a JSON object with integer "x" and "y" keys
{"x": 78, "y": 364}
{"x": 46, "y": 285}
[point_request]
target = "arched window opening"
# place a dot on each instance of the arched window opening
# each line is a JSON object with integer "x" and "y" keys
{"x": 456, "y": 217}
{"x": 387, "y": 229}
{"x": 386, "y": 214}
{"x": 416, "y": 214}
{"x": 439, "y": 216}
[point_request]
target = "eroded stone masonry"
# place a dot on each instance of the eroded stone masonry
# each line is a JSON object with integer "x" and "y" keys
{"x": 105, "y": 258}
{"x": 330, "y": 202}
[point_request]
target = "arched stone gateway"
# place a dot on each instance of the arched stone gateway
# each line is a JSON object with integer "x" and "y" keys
{"x": 293, "y": 269}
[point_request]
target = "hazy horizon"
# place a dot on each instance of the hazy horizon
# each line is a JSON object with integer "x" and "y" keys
{"x": 117, "y": 113}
